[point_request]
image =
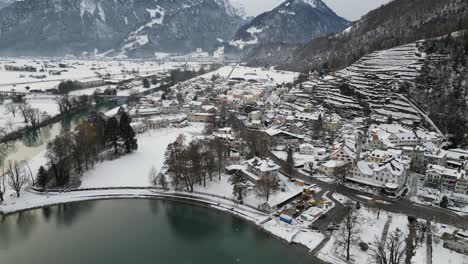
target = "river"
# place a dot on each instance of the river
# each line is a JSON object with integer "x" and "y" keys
{"x": 138, "y": 231}
{"x": 33, "y": 142}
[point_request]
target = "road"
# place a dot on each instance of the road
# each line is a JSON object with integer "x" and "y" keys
{"x": 400, "y": 206}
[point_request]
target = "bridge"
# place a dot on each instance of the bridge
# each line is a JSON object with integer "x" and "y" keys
{"x": 12, "y": 93}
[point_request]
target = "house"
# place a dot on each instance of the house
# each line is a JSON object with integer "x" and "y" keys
{"x": 379, "y": 156}
{"x": 201, "y": 117}
{"x": 462, "y": 185}
{"x": 263, "y": 167}
{"x": 404, "y": 139}
{"x": 392, "y": 172}
{"x": 280, "y": 137}
{"x": 169, "y": 107}
{"x": 445, "y": 178}
{"x": 456, "y": 158}
{"x": 307, "y": 149}
{"x": 345, "y": 153}
{"x": 333, "y": 168}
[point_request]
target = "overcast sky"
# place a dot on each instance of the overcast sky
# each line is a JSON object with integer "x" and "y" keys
{"x": 349, "y": 9}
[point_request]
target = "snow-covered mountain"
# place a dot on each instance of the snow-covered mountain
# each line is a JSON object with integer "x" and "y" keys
{"x": 125, "y": 27}
{"x": 397, "y": 23}
{"x": 293, "y": 21}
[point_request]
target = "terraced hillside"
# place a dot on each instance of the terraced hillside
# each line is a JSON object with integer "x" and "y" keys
{"x": 373, "y": 85}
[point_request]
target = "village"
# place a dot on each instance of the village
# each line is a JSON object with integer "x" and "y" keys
{"x": 274, "y": 148}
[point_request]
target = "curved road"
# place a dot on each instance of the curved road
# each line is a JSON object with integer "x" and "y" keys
{"x": 400, "y": 206}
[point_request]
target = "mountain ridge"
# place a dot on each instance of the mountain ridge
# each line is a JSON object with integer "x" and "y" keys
{"x": 126, "y": 27}
{"x": 293, "y": 21}
{"x": 396, "y": 23}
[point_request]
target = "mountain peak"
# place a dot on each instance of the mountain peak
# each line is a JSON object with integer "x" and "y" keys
{"x": 293, "y": 21}
{"x": 318, "y": 4}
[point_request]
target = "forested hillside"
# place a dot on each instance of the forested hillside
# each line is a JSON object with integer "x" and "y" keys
{"x": 397, "y": 23}
{"x": 442, "y": 88}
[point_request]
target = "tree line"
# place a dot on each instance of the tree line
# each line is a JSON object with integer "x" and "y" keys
{"x": 74, "y": 152}
{"x": 196, "y": 162}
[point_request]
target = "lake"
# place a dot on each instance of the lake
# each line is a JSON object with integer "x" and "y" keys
{"x": 138, "y": 231}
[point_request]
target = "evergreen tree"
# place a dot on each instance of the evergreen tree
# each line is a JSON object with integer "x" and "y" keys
{"x": 444, "y": 203}
{"x": 239, "y": 186}
{"x": 113, "y": 133}
{"x": 146, "y": 83}
{"x": 42, "y": 178}
{"x": 127, "y": 133}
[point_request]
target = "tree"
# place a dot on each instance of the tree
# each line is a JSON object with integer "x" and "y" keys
{"x": 2, "y": 185}
{"x": 390, "y": 251}
{"x": 24, "y": 109}
{"x": 112, "y": 133}
{"x": 390, "y": 120}
{"x": 153, "y": 176}
{"x": 146, "y": 83}
{"x": 239, "y": 186}
{"x": 444, "y": 202}
{"x": 60, "y": 157}
{"x": 42, "y": 178}
{"x": 127, "y": 133}
{"x": 220, "y": 150}
{"x": 290, "y": 161}
{"x": 12, "y": 108}
{"x": 266, "y": 186}
{"x": 172, "y": 161}
{"x": 377, "y": 202}
{"x": 348, "y": 234}
{"x": 17, "y": 177}
{"x": 180, "y": 98}
{"x": 133, "y": 96}
{"x": 162, "y": 181}
{"x": 34, "y": 116}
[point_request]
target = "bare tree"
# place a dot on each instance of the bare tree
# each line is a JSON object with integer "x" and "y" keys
{"x": 377, "y": 203}
{"x": 2, "y": 184}
{"x": 220, "y": 149}
{"x": 266, "y": 186}
{"x": 162, "y": 181}
{"x": 390, "y": 251}
{"x": 34, "y": 116}
{"x": 290, "y": 161}
{"x": 153, "y": 176}
{"x": 24, "y": 109}
{"x": 348, "y": 233}
{"x": 12, "y": 108}
{"x": 17, "y": 177}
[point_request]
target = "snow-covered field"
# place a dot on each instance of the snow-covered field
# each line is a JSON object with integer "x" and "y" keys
{"x": 370, "y": 229}
{"x": 45, "y": 103}
{"x": 77, "y": 69}
{"x": 133, "y": 170}
{"x": 250, "y": 73}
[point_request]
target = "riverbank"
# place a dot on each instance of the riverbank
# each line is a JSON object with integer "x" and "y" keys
{"x": 21, "y": 131}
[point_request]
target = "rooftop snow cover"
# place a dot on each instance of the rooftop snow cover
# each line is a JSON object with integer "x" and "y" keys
{"x": 446, "y": 171}
{"x": 263, "y": 165}
{"x": 273, "y": 132}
